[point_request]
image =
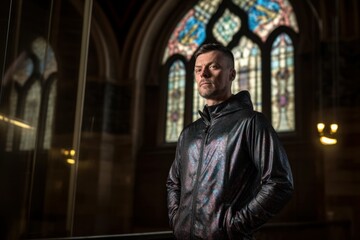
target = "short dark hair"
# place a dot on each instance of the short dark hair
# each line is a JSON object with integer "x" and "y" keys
{"x": 208, "y": 47}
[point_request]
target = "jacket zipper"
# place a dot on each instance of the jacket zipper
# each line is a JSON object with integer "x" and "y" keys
{"x": 198, "y": 171}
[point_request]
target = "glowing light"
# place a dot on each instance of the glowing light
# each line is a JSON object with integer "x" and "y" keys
{"x": 328, "y": 141}
{"x": 15, "y": 122}
{"x": 334, "y": 127}
{"x": 70, "y": 161}
{"x": 65, "y": 152}
{"x": 320, "y": 127}
{"x": 327, "y": 137}
{"x": 69, "y": 155}
{"x": 72, "y": 152}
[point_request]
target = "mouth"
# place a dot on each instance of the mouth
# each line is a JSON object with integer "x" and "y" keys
{"x": 204, "y": 83}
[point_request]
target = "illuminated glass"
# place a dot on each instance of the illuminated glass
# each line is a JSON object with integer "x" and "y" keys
{"x": 266, "y": 15}
{"x": 176, "y": 101}
{"x": 48, "y": 66}
{"x": 21, "y": 73}
{"x": 282, "y": 84}
{"x": 31, "y": 117}
{"x": 50, "y": 117}
{"x": 190, "y": 32}
{"x": 198, "y": 102}
{"x": 248, "y": 70}
{"x": 11, "y": 127}
{"x": 226, "y": 27}
{"x": 46, "y": 56}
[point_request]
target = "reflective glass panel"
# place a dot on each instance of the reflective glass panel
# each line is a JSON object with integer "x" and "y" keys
{"x": 38, "y": 103}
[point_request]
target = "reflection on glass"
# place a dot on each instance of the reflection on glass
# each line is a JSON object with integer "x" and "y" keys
{"x": 37, "y": 105}
{"x": 29, "y": 89}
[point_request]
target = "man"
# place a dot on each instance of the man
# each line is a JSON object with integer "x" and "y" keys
{"x": 230, "y": 174}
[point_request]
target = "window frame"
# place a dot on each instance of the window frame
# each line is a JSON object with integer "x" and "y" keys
{"x": 265, "y": 48}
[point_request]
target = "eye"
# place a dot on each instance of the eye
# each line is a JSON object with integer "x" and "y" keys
{"x": 213, "y": 66}
{"x": 197, "y": 70}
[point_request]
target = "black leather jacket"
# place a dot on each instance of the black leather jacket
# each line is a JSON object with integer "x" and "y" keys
{"x": 230, "y": 174}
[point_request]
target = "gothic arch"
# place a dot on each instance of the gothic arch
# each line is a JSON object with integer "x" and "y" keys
{"x": 153, "y": 27}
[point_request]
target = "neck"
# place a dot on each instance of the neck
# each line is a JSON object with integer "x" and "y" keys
{"x": 212, "y": 102}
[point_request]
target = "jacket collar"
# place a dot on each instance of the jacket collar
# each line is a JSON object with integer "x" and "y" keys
{"x": 235, "y": 103}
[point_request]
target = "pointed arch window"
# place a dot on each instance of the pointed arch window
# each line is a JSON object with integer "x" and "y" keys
{"x": 244, "y": 26}
{"x": 176, "y": 101}
{"x": 32, "y": 99}
{"x": 282, "y": 84}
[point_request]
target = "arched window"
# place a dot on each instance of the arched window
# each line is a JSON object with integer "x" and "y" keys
{"x": 32, "y": 99}
{"x": 176, "y": 100}
{"x": 245, "y": 26}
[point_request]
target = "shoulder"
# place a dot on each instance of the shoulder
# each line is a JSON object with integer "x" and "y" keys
{"x": 260, "y": 123}
{"x": 192, "y": 127}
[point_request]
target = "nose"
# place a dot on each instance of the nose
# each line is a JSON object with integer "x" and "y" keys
{"x": 204, "y": 72}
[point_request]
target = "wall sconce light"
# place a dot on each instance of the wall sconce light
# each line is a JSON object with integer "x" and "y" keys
{"x": 69, "y": 155}
{"x": 327, "y": 138}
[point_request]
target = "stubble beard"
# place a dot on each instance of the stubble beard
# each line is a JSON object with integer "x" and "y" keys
{"x": 206, "y": 92}
{"x": 210, "y": 92}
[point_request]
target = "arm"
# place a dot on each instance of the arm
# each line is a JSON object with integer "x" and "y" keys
{"x": 173, "y": 186}
{"x": 276, "y": 184}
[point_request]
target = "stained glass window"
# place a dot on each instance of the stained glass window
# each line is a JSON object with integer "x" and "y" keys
{"x": 266, "y": 15}
{"x": 226, "y": 27}
{"x": 190, "y": 32}
{"x": 198, "y": 102}
{"x": 248, "y": 70}
{"x": 263, "y": 17}
{"x": 176, "y": 101}
{"x": 282, "y": 84}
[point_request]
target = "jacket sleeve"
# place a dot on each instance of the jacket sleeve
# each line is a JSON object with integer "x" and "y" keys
{"x": 173, "y": 186}
{"x": 276, "y": 183}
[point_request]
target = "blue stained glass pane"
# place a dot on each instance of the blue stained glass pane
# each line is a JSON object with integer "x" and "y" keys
{"x": 193, "y": 32}
{"x": 190, "y": 32}
{"x": 266, "y": 15}
{"x": 261, "y": 12}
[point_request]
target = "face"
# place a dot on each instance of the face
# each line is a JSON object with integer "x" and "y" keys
{"x": 214, "y": 74}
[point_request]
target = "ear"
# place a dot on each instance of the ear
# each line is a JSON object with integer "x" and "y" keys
{"x": 232, "y": 74}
